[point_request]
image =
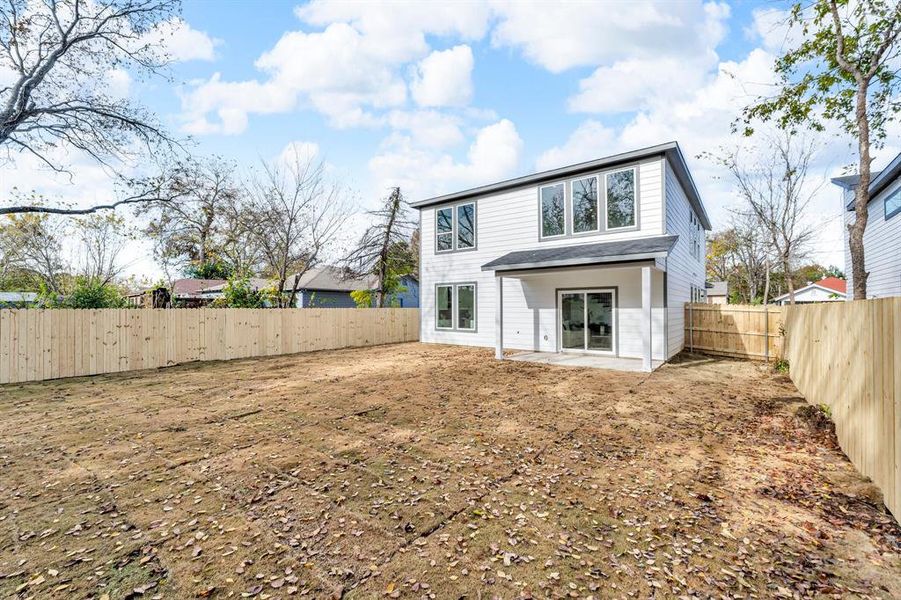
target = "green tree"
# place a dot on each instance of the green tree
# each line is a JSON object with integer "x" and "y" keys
{"x": 239, "y": 293}
{"x": 843, "y": 71}
{"x": 84, "y": 293}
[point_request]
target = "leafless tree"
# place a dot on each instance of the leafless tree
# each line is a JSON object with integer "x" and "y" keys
{"x": 60, "y": 54}
{"x": 192, "y": 231}
{"x": 384, "y": 248}
{"x": 776, "y": 194}
{"x": 101, "y": 238}
{"x": 38, "y": 248}
{"x": 295, "y": 214}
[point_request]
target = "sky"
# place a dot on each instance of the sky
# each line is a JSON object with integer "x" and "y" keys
{"x": 441, "y": 96}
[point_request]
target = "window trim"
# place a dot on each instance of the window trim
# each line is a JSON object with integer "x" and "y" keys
{"x": 455, "y": 306}
{"x": 453, "y": 293}
{"x": 454, "y": 228}
{"x": 889, "y": 215}
{"x": 566, "y": 212}
{"x": 475, "y": 217}
{"x": 634, "y": 224}
{"x": 597, "y": 200}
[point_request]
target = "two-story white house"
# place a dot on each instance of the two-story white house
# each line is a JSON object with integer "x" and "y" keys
{"x": 596, "y": 258}
{"x": 882, "y": 237}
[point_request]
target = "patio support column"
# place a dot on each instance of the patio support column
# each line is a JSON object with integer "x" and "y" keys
{"x": 499, "y": 318}
{"x": 646, "y": 346}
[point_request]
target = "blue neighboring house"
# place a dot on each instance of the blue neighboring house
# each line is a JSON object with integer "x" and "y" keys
{"x": 328, "y": 287}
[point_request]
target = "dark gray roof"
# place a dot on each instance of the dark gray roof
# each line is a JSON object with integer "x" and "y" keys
{"x": 718, "y": 288}
{"x": 584, "y": 254}
{"x": 670, "y": 150}
{"x": 879, "y": 180}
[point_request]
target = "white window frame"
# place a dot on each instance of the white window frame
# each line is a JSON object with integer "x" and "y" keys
{"x": 440, "y": 233}
{"x": 634, "y": 224}
{"x": 572, "y": 201}
{"x": 455, "y": 306}
{"x": 566, "y": 212}
{"x": 437, "y": 326}
{"x": 457, "y": 208}
{"x": 454, "y": 232}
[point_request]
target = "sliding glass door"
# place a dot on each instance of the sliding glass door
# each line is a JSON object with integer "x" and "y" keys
{"x": 586, "y": 320}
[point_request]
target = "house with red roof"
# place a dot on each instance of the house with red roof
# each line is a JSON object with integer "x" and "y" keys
{"x": 827, "y": 289}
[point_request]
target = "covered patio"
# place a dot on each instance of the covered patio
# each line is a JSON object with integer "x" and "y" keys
{"x": 591, "y": 305}
{"x": 561, "y": 359}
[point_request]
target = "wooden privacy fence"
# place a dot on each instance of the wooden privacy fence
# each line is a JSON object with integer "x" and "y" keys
{"x": 47, "y": 344}
{"x": 847, "y": 356}
{"x": 736, "y": 330}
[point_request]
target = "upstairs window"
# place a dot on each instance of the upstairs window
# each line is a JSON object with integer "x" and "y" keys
{"x": 621, "y": 199}
{"x": 893, "y": 204}
{"x": 553, "y": 210}
{"x": 455, "y": 227}
{"x": 466, "y": 226}
{"x": 585, "y": 205}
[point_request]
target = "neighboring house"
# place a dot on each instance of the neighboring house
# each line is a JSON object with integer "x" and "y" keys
{"x": 882, "y": 238}
{"x": 718, "y": 292}
{"x": 409, "y": 298}
{"x": 18, "y": 299}
{"x": 598, "y": 257}
{"x": 186, "y": 293}
{"x": 256, "y": 284}
{"x": 327, "y": 287}
{"x": 828, "y": 289}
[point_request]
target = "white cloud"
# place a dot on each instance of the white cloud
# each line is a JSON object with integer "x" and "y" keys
{"x": 444, "y": 78}
{"x": 494, "y": 154}
{"x": 182, "y": 42}
{"x": 428, "y": 128}
{"x": 590, "y": 140}
{"x": 560, "y": 36}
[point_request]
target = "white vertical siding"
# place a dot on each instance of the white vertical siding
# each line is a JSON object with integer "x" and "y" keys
{"x": 683, "y": 269}
{"x": 882, "y": 246}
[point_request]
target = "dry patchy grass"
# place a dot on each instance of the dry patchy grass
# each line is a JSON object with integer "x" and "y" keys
{"x": 415, "y": 470}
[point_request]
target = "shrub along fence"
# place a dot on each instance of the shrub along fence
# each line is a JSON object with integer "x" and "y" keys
{"x": 736, "y": 330}
{"x": 48, "y": 344}
{"x": 847, "y": 356}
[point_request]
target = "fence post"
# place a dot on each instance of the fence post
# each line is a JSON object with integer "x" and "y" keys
{"x": 766, "y": 333}
{"x": 691, "y": 328}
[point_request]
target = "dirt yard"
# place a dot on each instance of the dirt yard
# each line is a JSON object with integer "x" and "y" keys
{"x": 430, "y": 471}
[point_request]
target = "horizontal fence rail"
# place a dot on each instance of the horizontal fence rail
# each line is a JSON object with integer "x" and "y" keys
{"x": 736, "y": 330}
{"x": 40, "y": 344}
{"x": 847, "y": 356}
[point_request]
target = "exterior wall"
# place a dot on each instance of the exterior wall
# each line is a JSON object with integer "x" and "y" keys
{"x": 717, "y": 299}
{"x": 509, "y": 221}
{"x": 815, "y": 294}
{"x": 324, "y": 299}
{"x": 683, "y": 270}
{"x": 410, "y": 297}
{"x": 882, "y": 246}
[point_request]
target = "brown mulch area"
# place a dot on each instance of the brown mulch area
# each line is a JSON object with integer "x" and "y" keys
{"x": 433, "y": 471}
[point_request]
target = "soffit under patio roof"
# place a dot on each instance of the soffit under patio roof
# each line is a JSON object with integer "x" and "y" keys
{"x": 584, "y": 254}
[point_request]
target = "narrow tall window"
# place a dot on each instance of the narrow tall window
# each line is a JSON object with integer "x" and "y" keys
{"x": 893, "y": 204}
{"x": 466, "y": 226}
{"x": 444, "y": 307}
{"x": 466, "y": 307}
{"x": 553, "y": 210}
{"x": 445, "y": 229}
{"x": 621, "y": 199}
{"x": 585, "y": 204}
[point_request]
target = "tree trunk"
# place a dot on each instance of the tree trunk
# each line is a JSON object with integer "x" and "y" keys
{"x": 861, "y": 198}
{"x": 766, "y": 285}
{"x": 786, "y": 269}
